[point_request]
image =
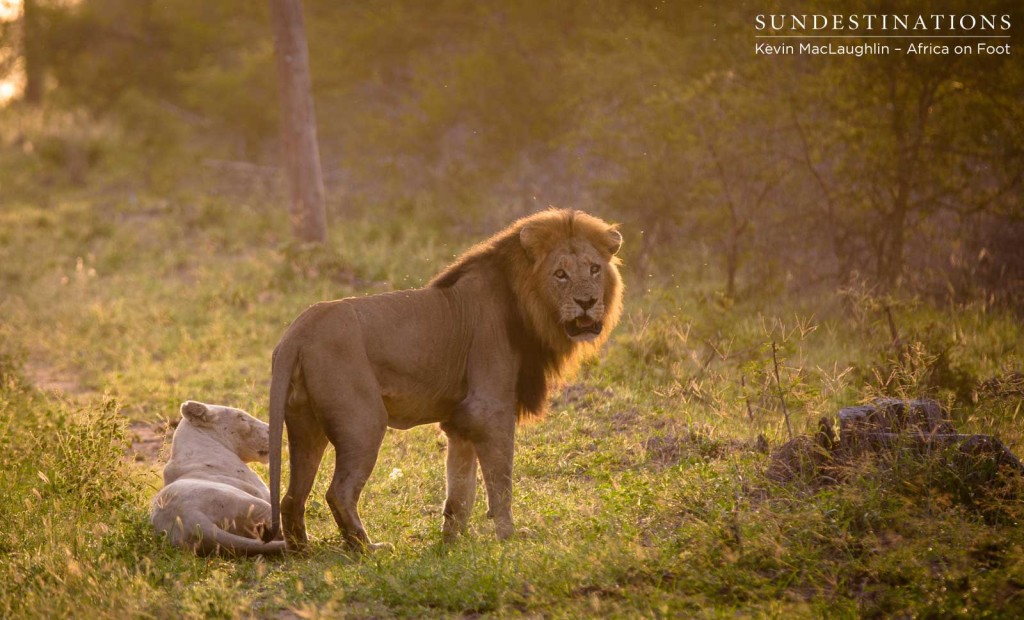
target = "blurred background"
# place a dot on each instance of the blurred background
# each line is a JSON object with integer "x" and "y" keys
{"x": 777, "y": 172}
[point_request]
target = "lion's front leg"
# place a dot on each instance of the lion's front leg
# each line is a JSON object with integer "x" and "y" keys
{"x": 461, "y": 473}
{"x": 495, "y": 450}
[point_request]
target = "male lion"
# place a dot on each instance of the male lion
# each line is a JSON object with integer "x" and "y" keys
{"x": 211, "y": 501}
{"x": 474, "y": 350}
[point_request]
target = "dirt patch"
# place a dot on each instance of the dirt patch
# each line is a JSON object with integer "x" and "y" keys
{"x": 581, "y": 396}
{"x": 798, "y": 458}
{"x": 49, "y": 379}
{"x": 147, "y": 438}
{"x": 147, "y": 441}
{"x": 671, "y": 446}
{"x": 628, "y": 419}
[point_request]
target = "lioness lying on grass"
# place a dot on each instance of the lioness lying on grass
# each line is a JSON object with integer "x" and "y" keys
{"x": 211, "y": 501}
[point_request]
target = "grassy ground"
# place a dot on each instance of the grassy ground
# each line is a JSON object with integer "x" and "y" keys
{"x": 644, "y": 486}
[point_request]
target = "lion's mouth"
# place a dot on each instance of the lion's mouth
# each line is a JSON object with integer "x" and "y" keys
{"x": 583, "y": 328}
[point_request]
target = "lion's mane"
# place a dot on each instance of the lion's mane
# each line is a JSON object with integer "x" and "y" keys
{"x": 546, "y": 355}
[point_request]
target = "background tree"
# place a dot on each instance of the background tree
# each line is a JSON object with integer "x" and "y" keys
{"x": 33, "y": 51}
{"x": 298, "y": 121}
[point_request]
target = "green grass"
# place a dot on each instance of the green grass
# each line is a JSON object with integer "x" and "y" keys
{"x": 643, "y": 487}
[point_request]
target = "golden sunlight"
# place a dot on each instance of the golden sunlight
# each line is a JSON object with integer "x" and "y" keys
{"x": 7, "y": 91}
{"x": 11, "y": 84}
{"x": 10, "y": 10}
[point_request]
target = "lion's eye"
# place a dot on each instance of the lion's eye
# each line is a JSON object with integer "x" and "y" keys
{"x": 595, "y": 269}
{"x": 561, "y": 275}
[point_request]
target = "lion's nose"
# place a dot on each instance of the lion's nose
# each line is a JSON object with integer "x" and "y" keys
{"x": 586, "y": 304}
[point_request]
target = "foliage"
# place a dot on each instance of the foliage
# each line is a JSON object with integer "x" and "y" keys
{"x": 826, "y": 169}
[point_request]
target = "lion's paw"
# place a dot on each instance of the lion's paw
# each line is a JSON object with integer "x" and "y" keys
{"x": 380, "y": 547}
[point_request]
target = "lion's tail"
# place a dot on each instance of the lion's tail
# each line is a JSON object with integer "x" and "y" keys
{"x": 281, "y": 375}
{"x": 218, "y": 540}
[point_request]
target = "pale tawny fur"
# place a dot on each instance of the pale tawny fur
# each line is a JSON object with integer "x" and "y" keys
{"x": 211, "y": 501}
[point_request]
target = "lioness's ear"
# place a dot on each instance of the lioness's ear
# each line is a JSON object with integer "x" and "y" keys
{"x": 194, "y": 412}
{"x": 615, "y": 240}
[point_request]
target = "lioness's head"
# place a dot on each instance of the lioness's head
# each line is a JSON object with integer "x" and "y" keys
{"x": 574, "y": 274}
{"x": 235, "y": 429}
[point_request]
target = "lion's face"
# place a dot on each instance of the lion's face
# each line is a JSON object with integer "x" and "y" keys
{"x": 575, "y": 277}
{"x": 573, "y": 283}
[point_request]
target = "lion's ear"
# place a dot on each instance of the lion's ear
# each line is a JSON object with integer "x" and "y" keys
{"x": 194, "y": 412}
{"x": 615, "y": 240}
{"x": 531, "y": 239}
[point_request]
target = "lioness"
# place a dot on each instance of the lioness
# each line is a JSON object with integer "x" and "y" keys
{"x": 211, "y": 501}
{"x": 474, "y": 350}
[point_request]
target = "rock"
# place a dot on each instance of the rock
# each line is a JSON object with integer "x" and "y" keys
{"x": 889, "y": 415}
{"x": 886, "y": 425}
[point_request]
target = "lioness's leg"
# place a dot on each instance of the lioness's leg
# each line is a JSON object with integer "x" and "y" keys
{"x": 306, "y": 444}
{"x": 494, "y": 449}
{"x": 356, "y": 448}
{"x": 461, "y": 471}
{"x": 241, "y": 514}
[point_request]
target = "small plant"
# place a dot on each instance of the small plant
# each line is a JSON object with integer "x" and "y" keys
{"x": 925, "y": 363}
{"x": 913, "y": 360}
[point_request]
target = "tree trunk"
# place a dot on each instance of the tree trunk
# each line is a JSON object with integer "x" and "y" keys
{"x": 298, "y": 121}
{"x": 648, "y": 245}
{"x": 732, "y": 265}
{"x": 891, "y": 263}
{"x": 32, "y": 53}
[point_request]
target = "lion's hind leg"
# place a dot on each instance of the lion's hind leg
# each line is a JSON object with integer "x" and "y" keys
{"x": 356, "y": 448}
{"x": 306, "y": 444}
{"x": 352, "y": 414}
